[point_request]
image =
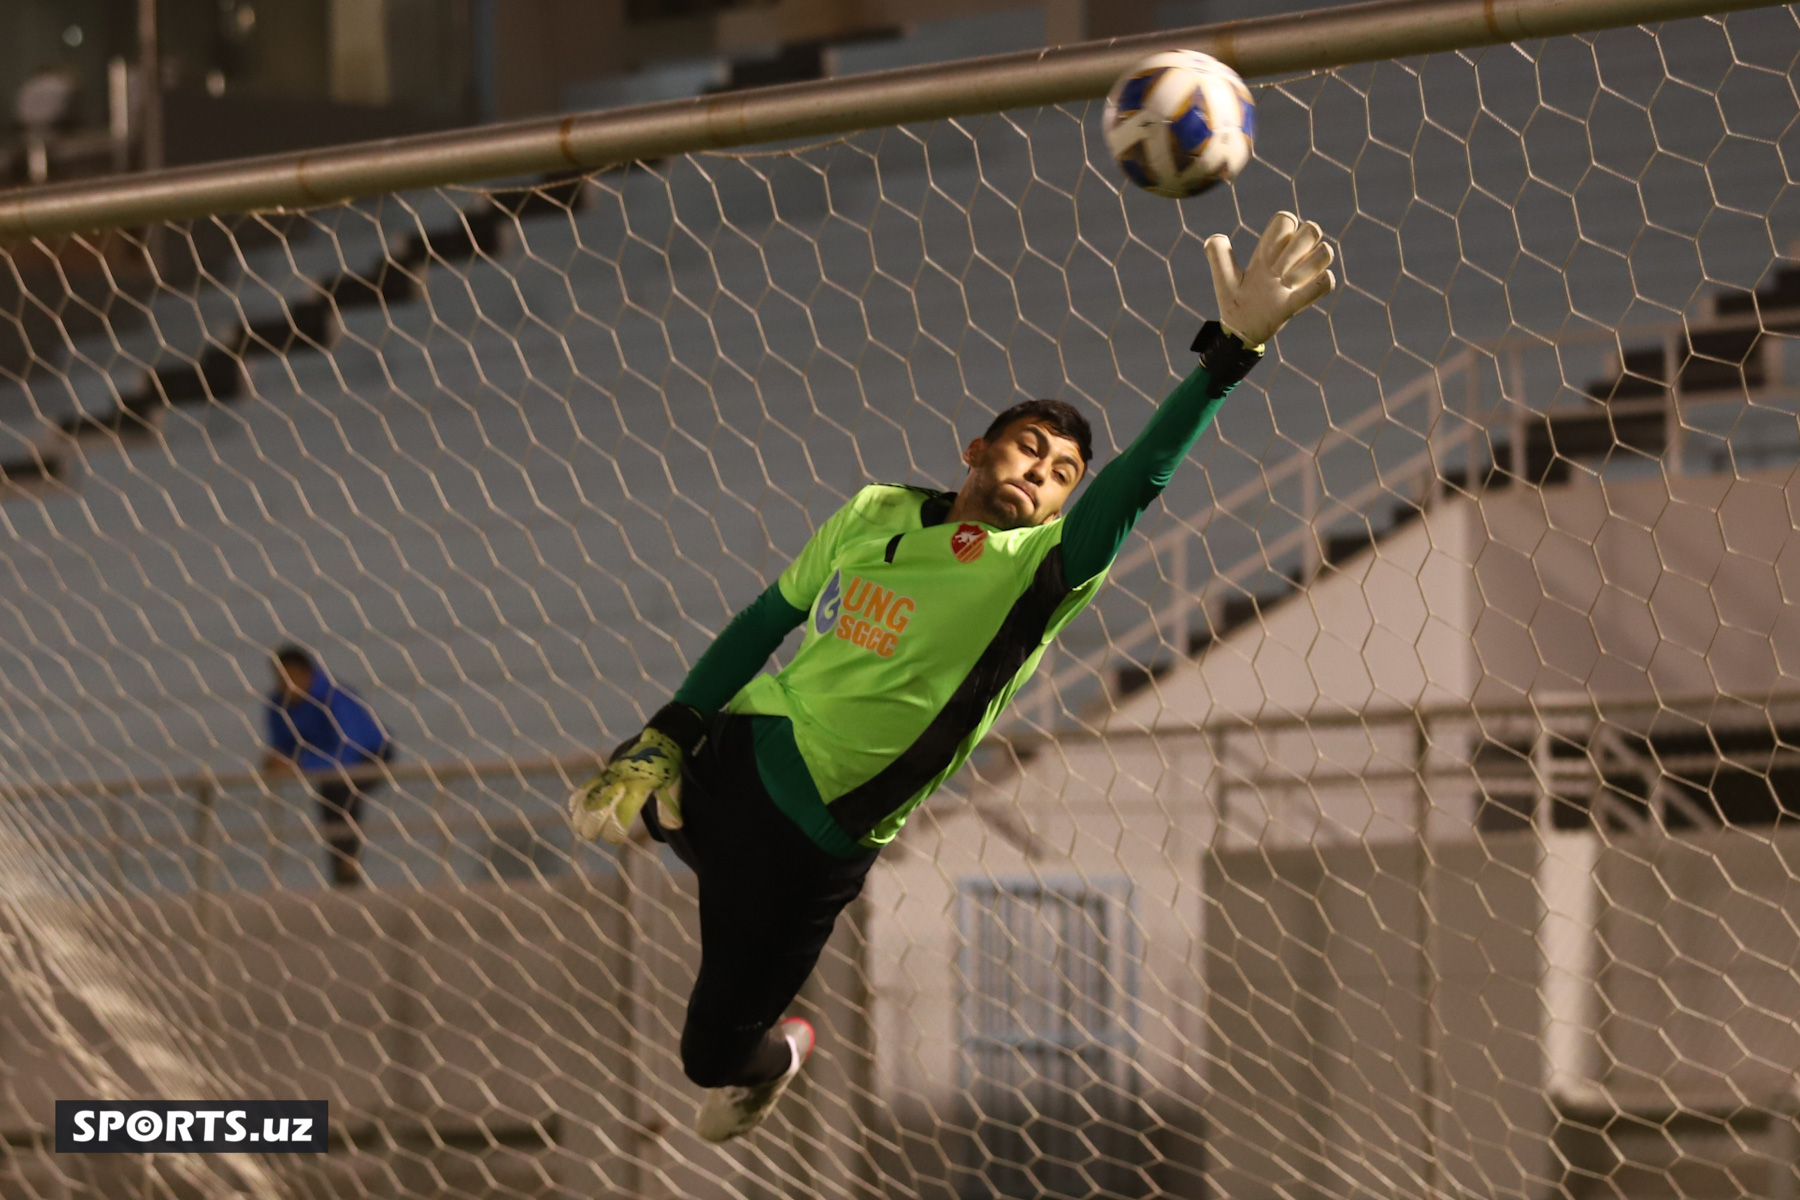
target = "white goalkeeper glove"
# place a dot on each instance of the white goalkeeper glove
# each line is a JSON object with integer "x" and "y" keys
{"x": 648, "y": 765}
{"x": 1289, "y": 271}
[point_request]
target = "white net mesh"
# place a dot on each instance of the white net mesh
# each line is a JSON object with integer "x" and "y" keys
{"x": 1412, "y": 815}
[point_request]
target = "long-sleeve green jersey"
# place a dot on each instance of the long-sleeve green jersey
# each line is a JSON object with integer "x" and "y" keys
{"x": 918, "y": 631}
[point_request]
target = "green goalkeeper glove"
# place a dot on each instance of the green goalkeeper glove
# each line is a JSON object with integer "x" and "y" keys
{"x": 1288, "y": 272}
{"x": 648, "y": 765}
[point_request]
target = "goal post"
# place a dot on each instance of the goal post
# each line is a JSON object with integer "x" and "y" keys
{"x": 1413, "y": 812}
{"x": 1265, "y": 46}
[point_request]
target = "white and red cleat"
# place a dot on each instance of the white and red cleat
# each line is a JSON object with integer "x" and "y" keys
{"x": 730, "y": 1112}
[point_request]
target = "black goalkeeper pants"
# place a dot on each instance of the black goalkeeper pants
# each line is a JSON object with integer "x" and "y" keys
{"x": 769, "y": 897}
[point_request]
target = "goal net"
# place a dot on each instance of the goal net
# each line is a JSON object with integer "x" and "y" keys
{"x": 1413, "y": 814}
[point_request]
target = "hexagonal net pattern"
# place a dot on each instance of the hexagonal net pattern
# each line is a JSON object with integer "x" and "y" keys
{"x": 1412, "y": 813}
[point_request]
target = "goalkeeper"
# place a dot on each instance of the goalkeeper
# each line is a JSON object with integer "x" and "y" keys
{"x": 924, "y": 612}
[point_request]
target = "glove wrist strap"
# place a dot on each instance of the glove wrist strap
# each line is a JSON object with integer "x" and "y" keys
{"x": 681, "y": 724}
{"x": 1224, "y": 356}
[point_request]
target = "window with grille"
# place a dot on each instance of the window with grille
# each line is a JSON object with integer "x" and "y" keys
{"x": 1049, "y": 975}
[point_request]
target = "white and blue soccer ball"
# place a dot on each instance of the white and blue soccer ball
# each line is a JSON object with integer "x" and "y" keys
{"x": 1180, "y": 122}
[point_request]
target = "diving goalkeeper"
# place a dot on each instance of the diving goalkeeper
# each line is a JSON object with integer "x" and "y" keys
{"x": 923, "y": 613}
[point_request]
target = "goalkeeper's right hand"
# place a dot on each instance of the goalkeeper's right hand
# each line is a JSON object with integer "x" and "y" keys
{"x": 606, "y": 805}
{"x": 648, "y": 765}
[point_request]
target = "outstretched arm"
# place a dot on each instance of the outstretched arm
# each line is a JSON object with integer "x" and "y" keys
{"x": 1100, "y": 521}
{"x": 1288, "y": 272}
{"x": 739, "y": 651}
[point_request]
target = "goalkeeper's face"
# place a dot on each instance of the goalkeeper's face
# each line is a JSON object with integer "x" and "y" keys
{"x": 1022, "y": 477}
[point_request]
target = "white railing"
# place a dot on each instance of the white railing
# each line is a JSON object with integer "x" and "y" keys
{"x": 1451, "y": 394}
{"x": 199, "y": 831}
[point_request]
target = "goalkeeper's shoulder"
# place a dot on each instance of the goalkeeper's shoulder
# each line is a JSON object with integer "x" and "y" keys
{"x": 883, "y": 504}
{"x": 875, "y": 510}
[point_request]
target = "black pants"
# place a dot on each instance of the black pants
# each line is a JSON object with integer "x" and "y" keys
{"x": 768, "y": 899}
{"x": 340, "y": 821}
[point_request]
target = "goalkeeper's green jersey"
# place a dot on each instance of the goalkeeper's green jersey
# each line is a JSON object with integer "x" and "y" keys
{"x": 918, "y": 632}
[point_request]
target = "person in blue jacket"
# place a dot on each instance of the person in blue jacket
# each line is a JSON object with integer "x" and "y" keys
{"x": 322, "y": 730}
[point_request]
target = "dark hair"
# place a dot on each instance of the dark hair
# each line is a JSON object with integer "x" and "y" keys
{"x": 290, "y": 654}
{"x": 1060, "y": 418}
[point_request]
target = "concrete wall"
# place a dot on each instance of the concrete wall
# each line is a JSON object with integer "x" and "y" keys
{"x": 1361, "y": 1003}
{"x": 1374, "y": 1020}
{"x": 1295, "y": 1034}
{"x": 486, "y": 1041}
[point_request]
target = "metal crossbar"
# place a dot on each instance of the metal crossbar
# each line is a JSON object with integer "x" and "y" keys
{"x": 1261, "y": 46}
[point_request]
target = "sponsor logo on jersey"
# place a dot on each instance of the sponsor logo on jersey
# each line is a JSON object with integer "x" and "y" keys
{"x": 825, "y": 614}
{"x": 968, "y": 542}
{"x": 872, "y": 618}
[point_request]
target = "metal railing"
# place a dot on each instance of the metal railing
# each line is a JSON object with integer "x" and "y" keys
{"x": 1465, "y": 434}
{"x": 203, "y": 830}
{"x": 1304, "y": 41}
{"x": 1168, "y": 625}
{"x": 1563, "y": 751}
{"x": 419, "y": 822}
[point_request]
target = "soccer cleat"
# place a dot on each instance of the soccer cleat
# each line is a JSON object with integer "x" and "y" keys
{"x": 729, "y": 1112}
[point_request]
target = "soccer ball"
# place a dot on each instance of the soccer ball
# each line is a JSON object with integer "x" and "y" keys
{"x": 1180, "y": 122}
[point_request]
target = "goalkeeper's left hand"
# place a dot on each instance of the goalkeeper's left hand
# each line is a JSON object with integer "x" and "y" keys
{"x": 1289, "y": 271}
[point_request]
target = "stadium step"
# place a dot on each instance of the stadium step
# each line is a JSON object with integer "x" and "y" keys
{"x": 1133, "y": 678}
{"x": 304, "y": 326}
{"x": 217, "y": 377}
{"x": 217, "y": 374}
{"x": 1716, "y": 360}
{"x": 1554, "y": 442}
{"x": 1342, "y": 547}
{"x": 1494, "y": 475}
{"x": 1777, "y": 304}
{"x": 1336, "y": 549}
{"x": 1652, "y": 1147}
{"x": 137, "y": 416}
{"x": 1711, "y": 360}
{"x": 1234, "y": 613}
{"x": 386, "y": 282}
{"x": 90, "y": 277}
{"x": 32, "y": 475}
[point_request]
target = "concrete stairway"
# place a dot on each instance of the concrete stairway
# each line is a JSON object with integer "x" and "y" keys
{"x": 211, "y": 366}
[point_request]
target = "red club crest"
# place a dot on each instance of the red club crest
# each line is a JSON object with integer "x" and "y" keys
{"x": 968, "y": 542}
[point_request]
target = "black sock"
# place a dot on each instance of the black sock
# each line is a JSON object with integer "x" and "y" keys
{"x": 771, "y": 1059}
